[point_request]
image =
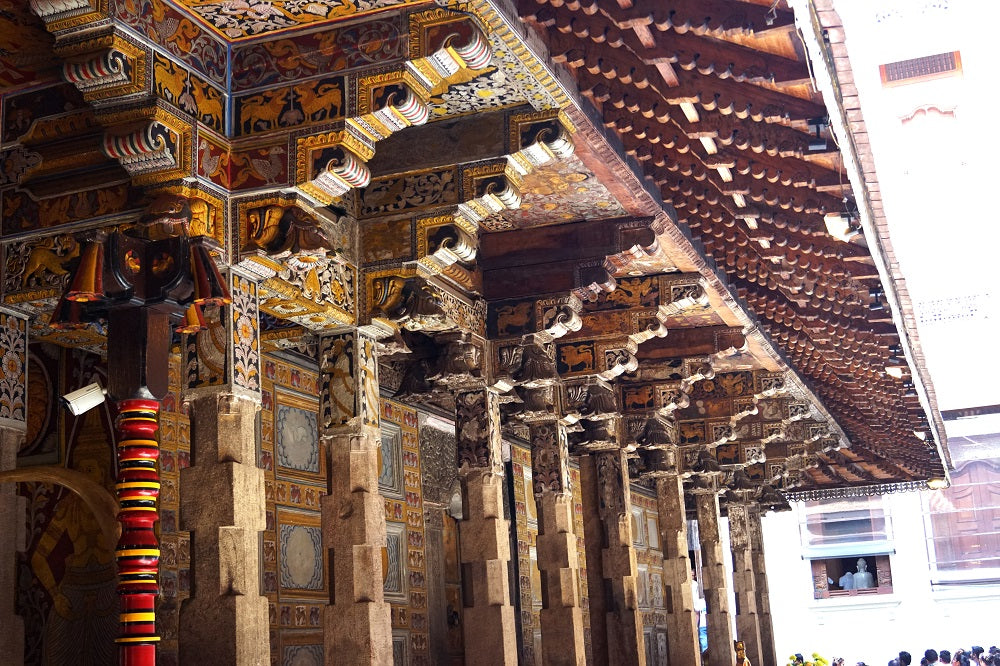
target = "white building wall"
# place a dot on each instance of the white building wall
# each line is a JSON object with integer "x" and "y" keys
{"x": 873, "y": 628}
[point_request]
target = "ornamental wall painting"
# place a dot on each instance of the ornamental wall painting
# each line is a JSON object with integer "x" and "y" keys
{"x": 293, "y": 570}
{"x": 649, "y": 561}
{"x": 404, "y": 560}
{"x": 66, "y": 575}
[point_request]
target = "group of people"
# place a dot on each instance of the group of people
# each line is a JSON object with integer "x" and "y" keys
{"x": 974, "y": 656}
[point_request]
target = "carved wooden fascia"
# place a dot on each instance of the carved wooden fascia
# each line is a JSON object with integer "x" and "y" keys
{"x": 718, "y": 19}
{"x": 663, "y": 397}
{"x": 606, "y": 359}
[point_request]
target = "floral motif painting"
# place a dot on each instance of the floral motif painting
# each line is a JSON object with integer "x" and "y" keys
{"x": 302, "y": 655}
{"x": 394, "y": 586}
{"x": 301, "y": 557}
{"x": 297, "y": 444}
{"x": 390, "y": 478}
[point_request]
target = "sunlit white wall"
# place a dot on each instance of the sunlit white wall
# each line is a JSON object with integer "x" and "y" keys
{"x": 873, "y": 628}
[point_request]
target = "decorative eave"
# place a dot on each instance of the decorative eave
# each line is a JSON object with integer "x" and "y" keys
{"x": 825, "y": 43}
{"x": 854, "y": 491}
{"x": 617, "y": 167}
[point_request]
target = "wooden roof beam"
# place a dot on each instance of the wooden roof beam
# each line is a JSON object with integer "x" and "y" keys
{"x": 718, "y": 18}
{"x": 685, "y": 50}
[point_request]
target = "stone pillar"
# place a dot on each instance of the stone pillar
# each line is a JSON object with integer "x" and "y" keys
{"x": 13, "y": 426}
{"x": 558, "y": 562}
{"x": 744, "y": 582}
{"x": 222, "y": 496}
{"x": 618, "y": 561}
{"x": 357, "y": 627}
{"x": 768, "y": 656}
{"x": 720, "y": 635}
{"x": 222, "y": 504}
{"x": 682, "y": 620}
{"x": 593, "y": 539}
{"x": 484, "y": 534}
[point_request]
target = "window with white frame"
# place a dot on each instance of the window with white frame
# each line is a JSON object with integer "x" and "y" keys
{"x": 963, "y": 526}
{"x": 847, "y": 542}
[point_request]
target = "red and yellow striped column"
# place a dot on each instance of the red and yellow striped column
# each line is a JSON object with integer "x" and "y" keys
{"x": 138, "y": 551}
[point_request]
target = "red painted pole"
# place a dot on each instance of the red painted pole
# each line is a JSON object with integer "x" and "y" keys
{"x": 138, "y": 551}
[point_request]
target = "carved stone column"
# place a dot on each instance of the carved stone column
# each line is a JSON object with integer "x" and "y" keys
{"x": 744, "y": 581}
{"x": 13, "y": 425}
{"x": 561, "y": 614}
{"x": 720, "y": 635}
{"x": 768, "y": 656}
{"x": 484, "y": 533}
{"x": 618, "y": 561}
{"x": 357, "y": 626}
{"x": 682, "y": 620}
{"x": 222, "y": 494}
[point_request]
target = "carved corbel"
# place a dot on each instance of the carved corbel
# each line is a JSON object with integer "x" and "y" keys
{"x": 657, "y": 462}
{"x": 442, "y": 47}
{"x": 683, "y": 296}
{"x": 103, "y": 74}
{"x": 618, "y": 359}
{"x": 148, "y": 148}
{"x": 407, "y": 302}
{"x": 559, "y": 317}
{"x": 489, "y": 189}
{"x": 592, "y": 405}
{"x": 537, "y": 367}
{"x": 769, "y": 384}
{"x": 540, "y": 138}
{"x": 797, "y": 411}
{"x": 743, "y": 408}
{"x": 60, "y": 15}
{"x": 388, "y": 103}
{"x": 697, "y": 369}
{"x": 285, "y": 232}
{"x": 460, "y": 362}
{"x": 329, "y": 165}
{"x": 447, "y": 245}
{"x": 534, "y": 403}
{"x": 594, "y": 279}
{"x": 657, "y": 433}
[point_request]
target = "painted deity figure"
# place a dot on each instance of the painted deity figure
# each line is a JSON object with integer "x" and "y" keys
{"x": 863, "y": 578}
{"x": 83, "y": 622}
